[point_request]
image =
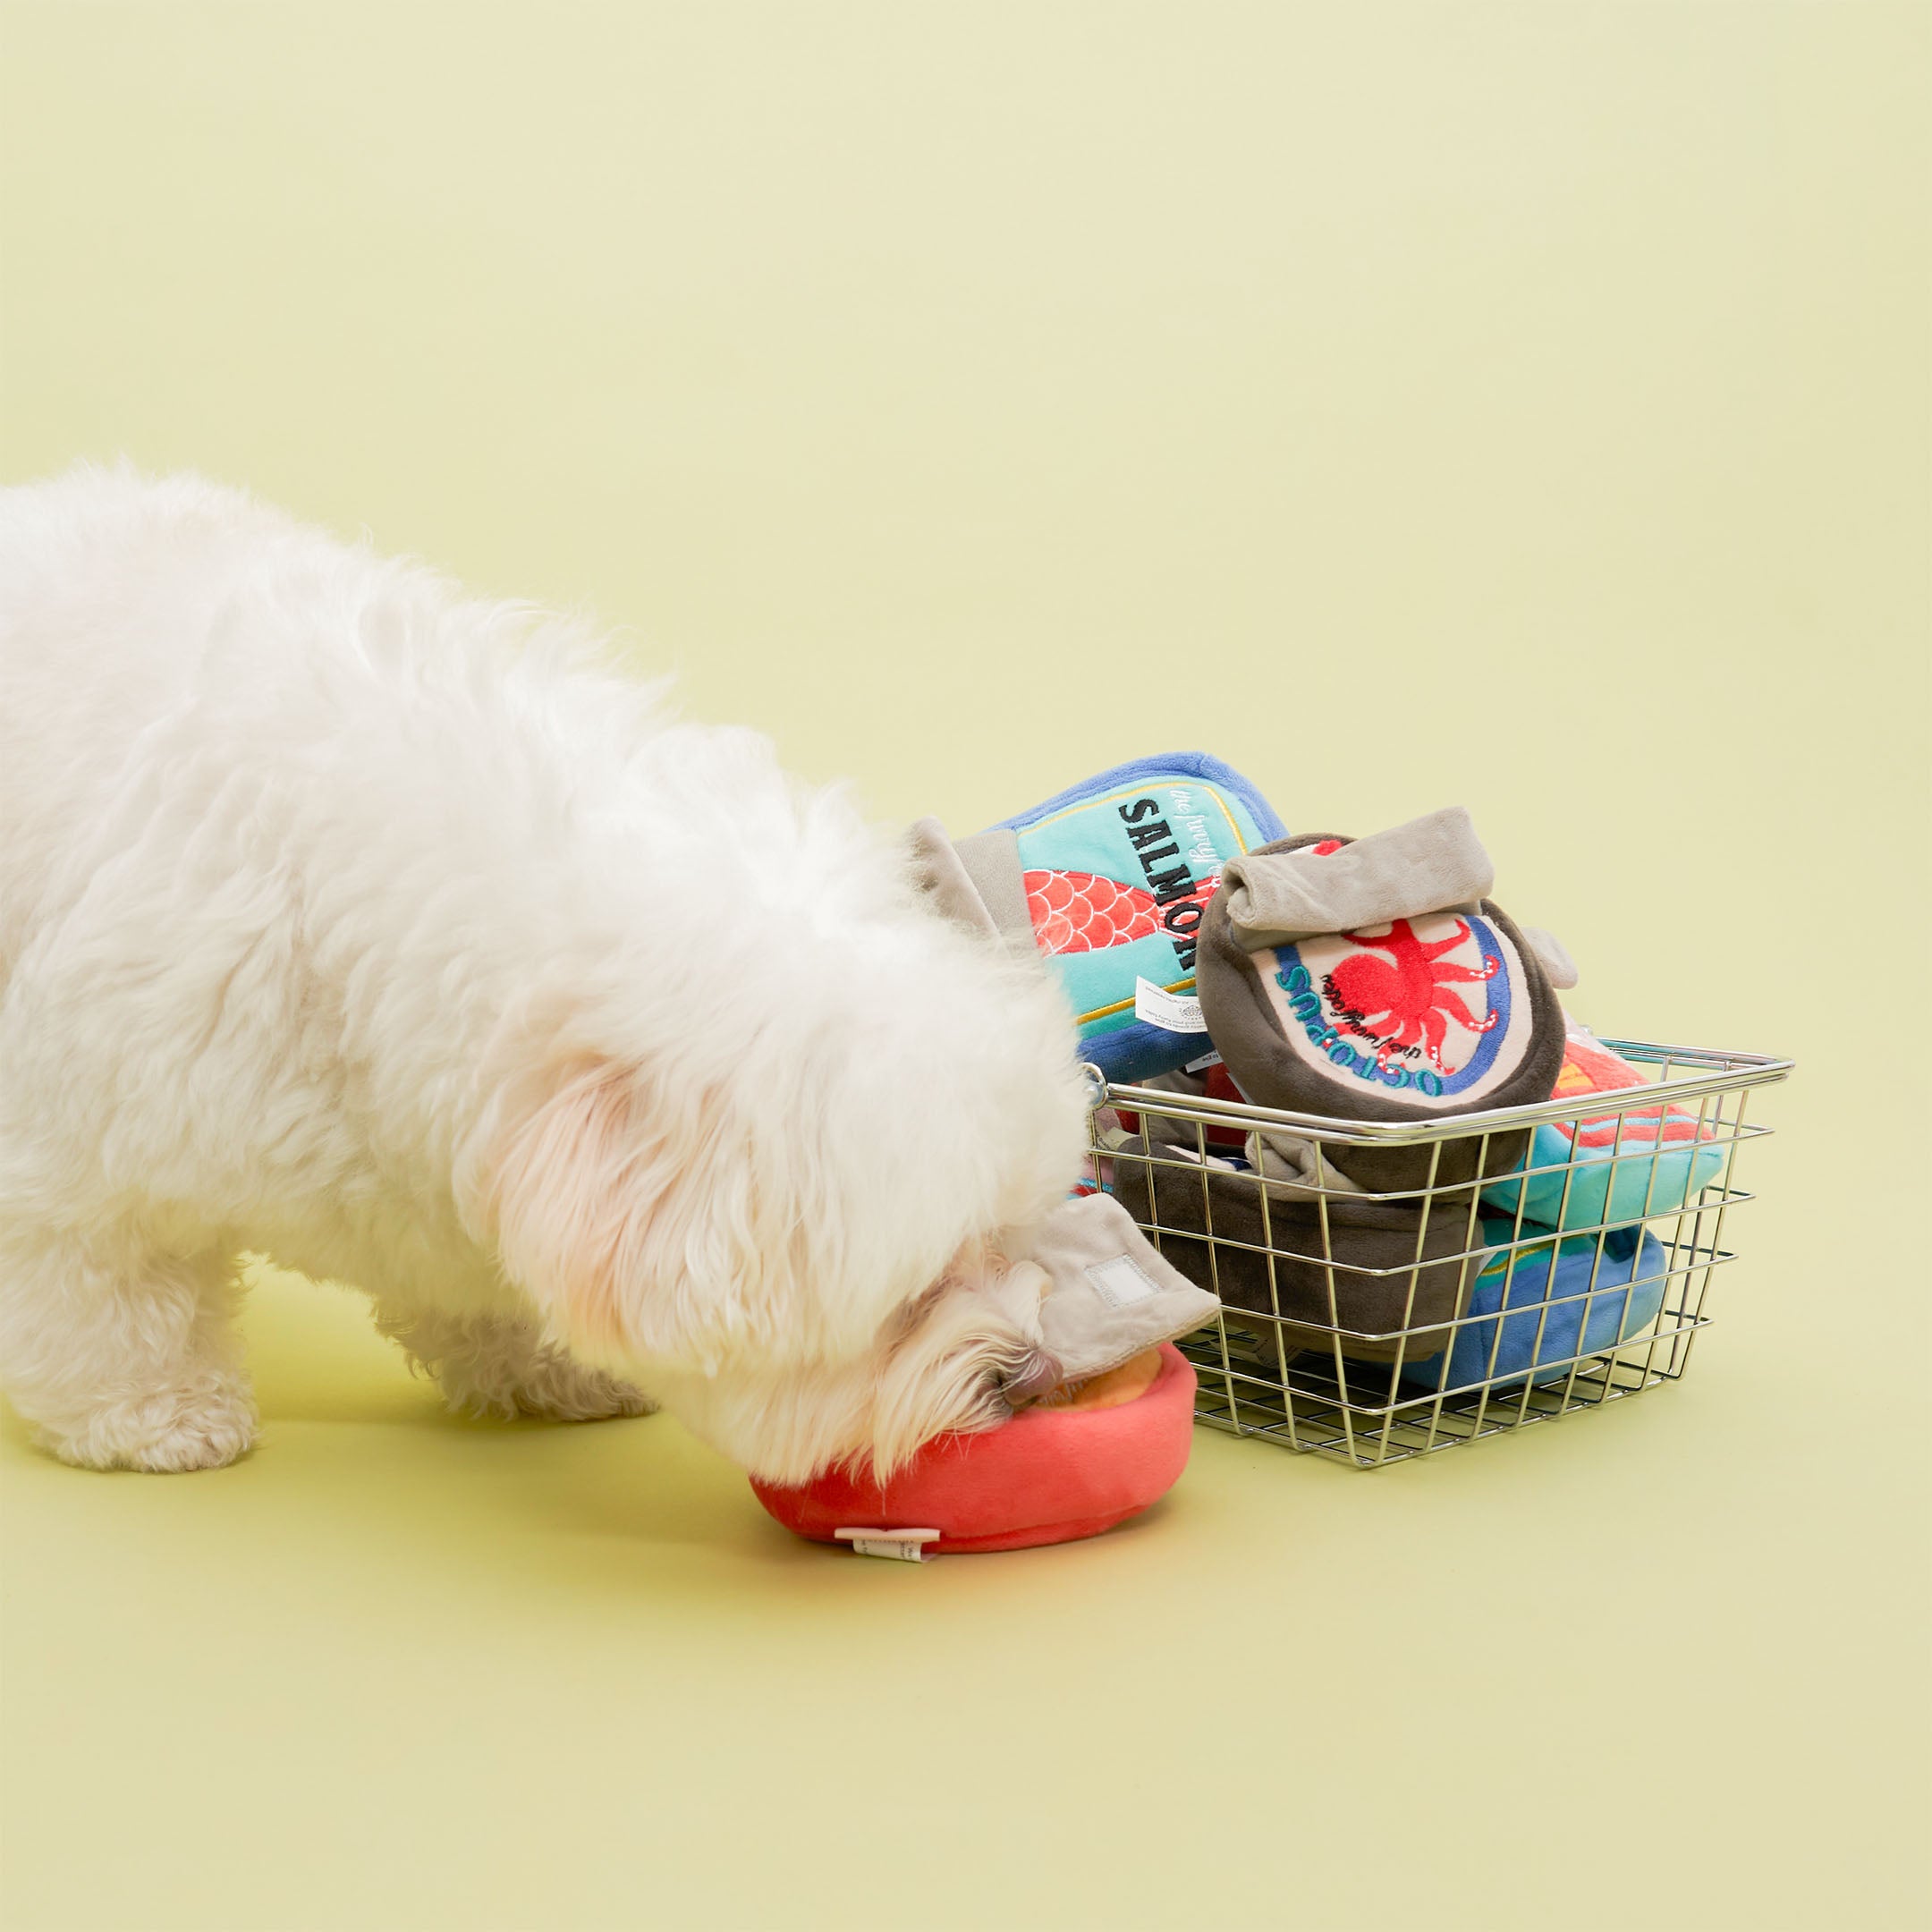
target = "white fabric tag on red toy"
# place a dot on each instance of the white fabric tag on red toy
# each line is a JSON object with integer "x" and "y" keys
{"x": 903, "y": 1545}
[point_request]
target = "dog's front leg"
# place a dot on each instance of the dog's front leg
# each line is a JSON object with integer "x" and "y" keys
{"x": 123, "y": 1356}
{"x": 489, "y": 1364}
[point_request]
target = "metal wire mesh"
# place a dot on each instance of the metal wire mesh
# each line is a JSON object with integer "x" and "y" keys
{"x": 1337, "y": 1338}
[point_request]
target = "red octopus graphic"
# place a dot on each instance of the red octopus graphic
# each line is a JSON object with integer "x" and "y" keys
{"x": 1412, "y": 993}
{"x": 1081, "y": 912}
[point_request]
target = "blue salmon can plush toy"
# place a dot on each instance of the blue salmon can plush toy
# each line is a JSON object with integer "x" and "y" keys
{"x": 1109, "y": 879}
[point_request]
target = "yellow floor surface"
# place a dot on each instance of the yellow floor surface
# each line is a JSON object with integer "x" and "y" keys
{"x": 1647, "y": 1667}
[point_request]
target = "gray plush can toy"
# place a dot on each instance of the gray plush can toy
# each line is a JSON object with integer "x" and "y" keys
{"x": 1374, "y": 979}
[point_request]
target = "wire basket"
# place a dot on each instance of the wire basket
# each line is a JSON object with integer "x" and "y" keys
{"x": 1371, "y": 1327}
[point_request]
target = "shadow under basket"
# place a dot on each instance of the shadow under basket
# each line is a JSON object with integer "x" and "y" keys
{"x": 1371, "y": 1326}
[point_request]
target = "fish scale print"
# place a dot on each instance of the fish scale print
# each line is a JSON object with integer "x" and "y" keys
{"x": 1082, "y": 912}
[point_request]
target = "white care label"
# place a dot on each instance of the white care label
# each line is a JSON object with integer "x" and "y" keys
{"x": 903, "y": 1545}
{"x": 1119, "y": 1283}
{"x": 1175, "y": 1012}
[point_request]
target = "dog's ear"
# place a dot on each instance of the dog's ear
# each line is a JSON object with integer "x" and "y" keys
{"x": 635, "y": 1223}
{"x": 558, "y": 1197}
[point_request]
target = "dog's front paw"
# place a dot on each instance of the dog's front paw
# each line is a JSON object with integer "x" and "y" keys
{"x": 568, "y": 1392}
{"x": 165, "y": 1432}
{"x": 490, "y": 1366}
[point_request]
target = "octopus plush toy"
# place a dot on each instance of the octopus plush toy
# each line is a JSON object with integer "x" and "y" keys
{"x": 1110, "y": 1441}
{"x": 1374, "y": 979}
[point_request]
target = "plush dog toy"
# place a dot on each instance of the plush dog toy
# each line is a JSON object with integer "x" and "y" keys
{"x": 1110, "y": 1441}
{"x": 1374, "y": 979}
{"x": 1108, "y": 879}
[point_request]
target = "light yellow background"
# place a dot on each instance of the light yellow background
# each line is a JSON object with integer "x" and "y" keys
{"x": 1522, "y": 406}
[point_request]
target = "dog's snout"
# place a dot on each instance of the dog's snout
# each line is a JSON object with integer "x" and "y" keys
{"x": 1036, "y": 1378}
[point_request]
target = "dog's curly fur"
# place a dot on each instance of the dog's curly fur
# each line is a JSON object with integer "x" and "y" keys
{"x": 396, "y": 935}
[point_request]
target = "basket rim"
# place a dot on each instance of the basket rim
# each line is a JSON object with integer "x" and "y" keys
{"x": 1712, "y": 1071}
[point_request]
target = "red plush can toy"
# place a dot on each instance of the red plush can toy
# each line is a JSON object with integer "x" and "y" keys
{"x": 1054, "y": 1474}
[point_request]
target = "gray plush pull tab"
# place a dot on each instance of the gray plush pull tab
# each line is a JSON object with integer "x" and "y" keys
{"x": 1432, "y": 864}
{"x": 1110, "y": 1296}
{"x": 939, "y": 873}
{"x": 991, "y": 861}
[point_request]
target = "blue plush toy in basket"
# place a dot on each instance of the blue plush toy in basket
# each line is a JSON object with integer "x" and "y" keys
{"x": 1550, "y": 1302}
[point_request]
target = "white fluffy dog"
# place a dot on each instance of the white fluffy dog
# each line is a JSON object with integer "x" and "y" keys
{"x": 390, "y": 934}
